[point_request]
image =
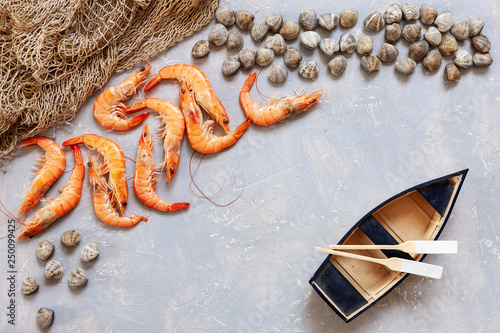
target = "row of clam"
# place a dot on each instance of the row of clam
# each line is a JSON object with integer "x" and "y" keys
{"x": 54, "y": 270}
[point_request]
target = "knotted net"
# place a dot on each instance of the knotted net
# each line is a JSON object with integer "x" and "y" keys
{"x": 55, "y": 53}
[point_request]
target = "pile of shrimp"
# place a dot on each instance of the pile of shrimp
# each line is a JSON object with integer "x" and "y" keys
{"x": 107, "y": 174}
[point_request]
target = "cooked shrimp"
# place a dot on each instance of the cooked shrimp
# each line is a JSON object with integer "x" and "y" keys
{"x": 200, "y": 134}
{"x": 52, "y": 165}
{"x": 103, "y": 204}
{"x": 109, "y": 106}
{"x": 59, "y": 206}
{"x": 145, "y": 179}
{"x": 276, "y": 110}
{"x": 172, "y": 134}
{"x": 198, "y": 84}
{"x": 114, "y": 161}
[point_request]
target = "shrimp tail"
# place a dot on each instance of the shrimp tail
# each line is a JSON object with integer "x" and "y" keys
{"x": 29, "y": 142}
{"x": 241, "y": 129}
{"x": 138, "y": 119}
{"x": 178, "y": 206}
{"x": 153, "y": 83}
{"x": 73, "y": 141}
{"x": 139, "y": 106}
{"x": 249, "y": 82}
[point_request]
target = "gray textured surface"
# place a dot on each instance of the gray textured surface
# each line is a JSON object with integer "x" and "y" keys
{"x": 306, "y": 181}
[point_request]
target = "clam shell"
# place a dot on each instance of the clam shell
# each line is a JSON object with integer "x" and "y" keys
{"x": 244, "y": 19}
{"x": 418, "y": 50}
{"x": 393, "y": 32}
{"x": 393, "y": 14}
{"x": 225, "y": 16}
{"x": 77, "y": 279}
{"x": 53, "y": 269}
{"x": 29, "y": 286}
{"x": 412, "y": 32}
{"x": 374, "y": 22}
{"x": 347, "y": 43}
{"x": 44, "y": 249}
{"x": 348, "y": 17}
{"x": 337, "y": 65}
{"x": 481, "y": 43}
{"x": 463, "y": 59}
{"x": 309, "y": 69}
{"x": 89, "y": 252}
{"x": 410, "y": 12}
{"x": 292, "y": 57}
{"x": 259, "y": 31}
{"x": 328, "y": 46}
{"x": 433, "y": 36}
{"x": 70, "y": 238}
{"x": 44, "y": 317}
{"x": 274, "y": 21}
{"x": 452, "y": 73}
{"x": 218, "y": 34}
{"x": 427, "y": 14}
{"x": 310, "y": 39}
{"x": 246, "y": 58}
{"x": 200, "y": 49}
{"x": 308, "y": 20}
{"x": 277, "y": 74}
{"x": 230, "y": 66}
{"x": 475, "y": 26}
{"x": 433, "y": 60}
{"x": 290, "y": 30}
{"x": 444, "y": 21}
{"x": 482, "y": 59}
{"x": 460, "y": 30}
{"x": 387, "y": 52}
{"x": 370, "y": 63}
{"x": 234, "y": 40}
{"x": 328, "y": 21}
{"x": 365, "y": 45}
{"x": 277, "y": 44}
{"x": 264, "y": 57}
{"x": 448, "y": 45}
{"x": 405, "y": 66}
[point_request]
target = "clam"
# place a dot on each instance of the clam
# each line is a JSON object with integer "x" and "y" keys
{"x": 218, "y": 34}
{"x": 482, "y": 59}
{"x": 264, "y": 57}
{"x": 200, "y": 49}
{"x": 393, "y": 32}
{"x": 44, "y": 317}
{"x": 427, "y": 14}
{"x": 70, "y": 238}
{"x": 364, "y": 45}
{"x": 309, "y": 69}
{"x": 276, "y": 43}
{"x": 310, "y": 39}
{"x": 393, "y": 14}
{"x": 225, "y": 16}
{"x": 246, "y": 58}
{"x": 230, "y": 66}
{"x": 290, "y": 30}
{"x": 308, "y": 19}
{"x": 418, "y": 50}
{"x": 328, "y": 46}
{"x": 259, "y": 31}
{"x": 348, "y": 17}
{"x": 433, "y": 36}
{"x": 89, "y": 252}
{"x": 292, "y": 57}
{"x": 463, "y": 59}
{"x": 29, "y": 286}
{"x": 448, "y": 45}
{"x": 460, "y": 30}
{"x": 347, "y": 43}
{"x": 234, "y": 40}
{"x": 274, "y": 22}
{"x": 405, "y": 66}
{"x": 370, "y": 63}
{"x": 481, "y": 43}
{"x": 44, "y": 249}
{"x": 374, "y": 22}
{"x": 328, "y": 21}
{"x": 444, "y": 21}
{"x": 410, "y": 12}
{"x": 452, "y": 73}
{"x": 337, "y": 65}
{"x": 244, "y": 19}
{"x": 475, "y": 26}
{"x": 53, "y": 269}
{"x": 433, "y": 60}
{"x": 412, "y": 32}
{"x": 77, "y": 279}
{"x": 277, "y": 74}
{"x": 387, "y": 52}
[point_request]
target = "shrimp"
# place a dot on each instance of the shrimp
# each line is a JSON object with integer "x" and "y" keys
{"x": 173, "y": 133}
{"x": 276, "y": 110}
{"x": 52, "y": 165}
{"x": 198, "y": 84}
{"x": 145, "y": 179}
{"x": 103, "y": 205}
{"x": 59, "y": 206}
{"x": 109, "y": 106}
{"x": 114, "y": 161}
{"x": 200, "y": 134}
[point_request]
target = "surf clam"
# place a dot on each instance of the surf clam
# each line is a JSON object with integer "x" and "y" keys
{"x": 308, "y": 20}
{"x": 77, "y": 279}
{"x": 328, "y": 21}
{"x": 274, "y": 21}
{"x": 70, "y": 238}
{"x": 347, "y": 43}
{"x": 89, "y": 252}
{"x": 433, "y": 36}
{"x": 230, "y": 66}
{"x": 309, "y": 69}
{"x": 328, "y": 46}
{"x": 53, "y": 269}
{"x": 29, "y": 286}
{"x": 418, "y": 50}
{"x": 481, "y": 43}
{"x": 277, "y": 44}
{"x": 310, "y": 39}
{"x": 292, "y": 57}
{"x": 410, "y": 12}
{"x": 374, "y": 22}
{"x": 348, "y": 17}
{"x": 44, "y": 317}
{"x": 364, "y": 45}
{"x": 452, "y": 73}
{"x": 482, "y": 59}
{"x": 475, "y": 26}
{"x": 463, "y": 59}
{"x": 393, "y": 14}
{"x": 371, "y": 63}
{"x": 218, "y": 34}
{"x": 444, "y": 21}
{"x": 225, "y": 16}
{"x": 44, "y": 249}
{"x": 405, "y": 66}
{"x": 448, "y": 45}
{"x": 290, "y": 30}
{"x": 200, "y": 49}
{"x": 337, "y": 65}
{"x": 387, "y": 52}
{"x": 427, "y": 14}
{"x": 412, "y": 32}
{"x": 460, "y": 30}
{"x": 259, "y": 31}
{"x": 246, "y": 58}
{"x": 393, "y": 32}
{"x": 264, "y": 57}
{"x": 244, "y": 19}
{"x": 433, "y": 60}
{"x": 277, "y": 74}
{"x": 234, "y": 40}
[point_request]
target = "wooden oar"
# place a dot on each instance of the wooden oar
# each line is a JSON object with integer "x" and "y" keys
{"x": 408, "y": 247}
{"x": 395, "y": 264}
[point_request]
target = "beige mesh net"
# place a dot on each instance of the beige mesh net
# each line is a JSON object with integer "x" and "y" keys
{"x": 55, "y": 53}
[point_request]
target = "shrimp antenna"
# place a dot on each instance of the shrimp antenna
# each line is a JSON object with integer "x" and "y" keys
{"x": 7, "y": 213}
{"x": 193, "y": 182}
{"x": 257, "y": 87}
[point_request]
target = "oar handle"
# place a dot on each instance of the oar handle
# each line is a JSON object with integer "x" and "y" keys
{"x": 363, "y": 247}
{"x": 350, "y": 255}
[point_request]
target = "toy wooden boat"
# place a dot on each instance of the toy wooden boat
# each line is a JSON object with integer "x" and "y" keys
{"x": 351, "y": 286}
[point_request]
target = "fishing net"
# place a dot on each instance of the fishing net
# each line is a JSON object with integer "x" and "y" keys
{"x": 55, "y": 53}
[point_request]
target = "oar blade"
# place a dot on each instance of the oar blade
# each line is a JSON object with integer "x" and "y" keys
{"x": 420, "y": 268}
